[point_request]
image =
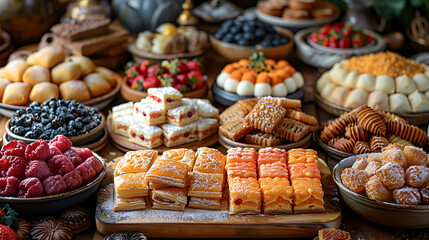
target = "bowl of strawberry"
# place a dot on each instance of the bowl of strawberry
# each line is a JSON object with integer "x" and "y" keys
{"x": 41, "y": 178}
{"x": 341, "y": 37}
{"x": 325, "y": 46}
{"x": 184, "y": 75}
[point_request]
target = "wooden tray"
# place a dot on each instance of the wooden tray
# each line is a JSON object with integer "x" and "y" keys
{"x": 123, "y": 144}
{"x": 132, "y": 95}
{"x": 226, "y": 98}
{"x": 227, "y": 143}
{"x": 139, "y": 55}
{"x": 198, "y": 223}
{"x": 412, "y": 118}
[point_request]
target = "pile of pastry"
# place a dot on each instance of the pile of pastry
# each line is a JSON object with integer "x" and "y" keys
{"x": 164, "y": 117}
{"x": 288, "y": 182}
{"x": 267, "y": 121}
{"x": 171, "y": 40}
{"x": 365, "y": 130}
{"x": 258, "y": 77}
{"x": 298, "y": 9}
{"x": 384, "y": 81}
{"x": 47, "y": 73}
{"x": 398, "y": 174}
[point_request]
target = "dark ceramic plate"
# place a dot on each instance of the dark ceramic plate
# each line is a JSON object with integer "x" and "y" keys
{"x": 53, "y": 203}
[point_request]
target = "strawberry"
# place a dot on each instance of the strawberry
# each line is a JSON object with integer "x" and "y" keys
{"x": 313, "y": 37}
{"x": 154, "y": 70}
{"x": 6, "y": 233}
{"x": 333, "y": 41}
{"x": 144, "y": 66}
{"x": 138, "y": 83}
{"x": 337, "y": 27}
{"x": 194, "y": 65}
{"x": 357, "y": 39}
{"x": 369, "y": 39}
{"x": 344, "y": 43}
{"x": 151, "y": 82}
{"x": 195, "y": 80}
{"x": 167, "y": 80}
{"x": 132, "y": 71}
{"x": 324, "y": 42}
{"x": 182, "y": 78}
{"x": 182, "y": 88}
{"x": 7, "y": 217}
{"x": 177, "y": 66}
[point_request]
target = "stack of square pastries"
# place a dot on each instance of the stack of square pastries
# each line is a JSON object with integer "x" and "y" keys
{"x": 273, "y": 187}
{"x": 164, "y": 117}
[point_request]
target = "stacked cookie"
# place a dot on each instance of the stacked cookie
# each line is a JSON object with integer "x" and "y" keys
{"x": 365, "y": 130}
{"x": 267, "y": 121}
{"x": 164, "y": 117}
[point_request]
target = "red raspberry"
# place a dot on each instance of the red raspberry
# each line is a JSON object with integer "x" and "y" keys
{"x": 9, "y": 186}
{"x": 38, "y": 169}
{"x": 84, "y": 153}
{"x": 95, "y": 164}
{"x": 54, "y": 185}
{"x": 60, "y": 164}
{"x": 54, "y": 151}
{"x": 38, "y": 150}
{"x": 4, "y": 166}
{"x": 61, "y": 142}
{"x": 86, "y": 172}
{"x": 73, "y": 180}
{"x": 17, "y": 167}
{"x": 73, "y": 156}
{"x": 30, "y": 187}
{"x": 14, "y": 148}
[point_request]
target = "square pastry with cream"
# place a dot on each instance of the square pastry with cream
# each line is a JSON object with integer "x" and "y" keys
{"x": 148, "y": 113}
{"x": 182, "y": 115}
{"x": 146, "y": 135}
{"x": 177, "y": 135}
{"x": 131, "y": 185}
{"x": 129, "y": 204}
{"x": 169, "y": 173}
{"x": 135, "y": 162}
{"x": 165, "y": 97}
{"x": 169, "y": 198}
{"x": 121, "y": 125}
{"x": 205, "y": 203}
{"x": 206, "y": 127}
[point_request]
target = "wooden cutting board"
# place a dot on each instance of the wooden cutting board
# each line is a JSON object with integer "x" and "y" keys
{"x": 199, "y": 223}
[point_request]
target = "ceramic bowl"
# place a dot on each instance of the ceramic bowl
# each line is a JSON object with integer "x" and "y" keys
{"x": 132, "y": 95}
{"x": 46, "y": 205}
{"x": 383, "y": 213}
{"x": 234, "y": 52}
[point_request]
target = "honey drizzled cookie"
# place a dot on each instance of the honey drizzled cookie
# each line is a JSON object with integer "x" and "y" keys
{"x": 376, "y": 143}
{"x": 407, "y": 132}
{"x": 291, "y": 130}
{"x": 265, "y": 116}
{"x": 337, "y": 127}
{"x": 396, "y": 139}
{"x": 344, "y": 145}
{"x": 357, "y": 133}
{"x": 284, "y": 102}
{"x": 371, "y": 121}
{"x": 393, "y": 117}
{"x": 361, "y": 147}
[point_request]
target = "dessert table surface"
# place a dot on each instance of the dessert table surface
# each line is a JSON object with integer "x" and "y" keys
{"x": 358, "y": 227}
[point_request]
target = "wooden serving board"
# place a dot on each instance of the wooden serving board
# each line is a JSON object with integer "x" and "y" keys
{"x": 199, "y": 223}
{"x": 123, "y": 144}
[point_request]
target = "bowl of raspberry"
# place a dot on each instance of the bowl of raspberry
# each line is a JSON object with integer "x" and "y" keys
{"x": 41, "y": 177}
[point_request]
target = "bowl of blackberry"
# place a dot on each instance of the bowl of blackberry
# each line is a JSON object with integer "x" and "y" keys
{"x": 240, "y": 38}
{"x": 81, "y": 124}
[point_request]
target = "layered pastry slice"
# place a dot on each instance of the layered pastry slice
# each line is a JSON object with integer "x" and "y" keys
{"x": 205, "y": 203}
{"x": 244, "y": 196}
{"x": 205, "y": 109}
{"x": 170, "y": 173}
{"x": 271, "y": 155}
{"x": 241, "y": 169}
{"x": 165, "y": 97}
{"x": 304, "y": 170}
{"x": 177, "y": 135}
{"x": 122, "y": 107}
{"x": 128, "y": 204}
{"x": 242, "y": 155}
{"x": 301, "y": 155}
{"x": 207, "y": 185}
{"x": 277, "y": 195}
{"x": 169, "y": 198}
{"x": 271, "y": 170}
{"x": 182, "y": 155}
{"x": 308, "y": 195}
{"x": 148, "y": 113}
{"x": 182, "y": 115}
{"x": 209, "y": 160}
{"x": 124, "y": 113}
{"x": 206, "y": 127}
{"x": 131, "y": 185}
{"x": 146, "y": 135}
{"x": 135, "y": 162}
{"x": 121, "y": 125}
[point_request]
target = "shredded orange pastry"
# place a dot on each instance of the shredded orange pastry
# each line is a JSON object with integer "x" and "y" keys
{"x": 384, "y": 63}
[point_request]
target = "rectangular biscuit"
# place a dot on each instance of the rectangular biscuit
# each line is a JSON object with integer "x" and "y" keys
{"x": 263, "y": 139}
{"x": 235, "y": 130}
{"x": 291, "y": 130}
{"x": 265, "y": 116}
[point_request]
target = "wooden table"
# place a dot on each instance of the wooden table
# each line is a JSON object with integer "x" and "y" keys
{"x": 358, "y": 227}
